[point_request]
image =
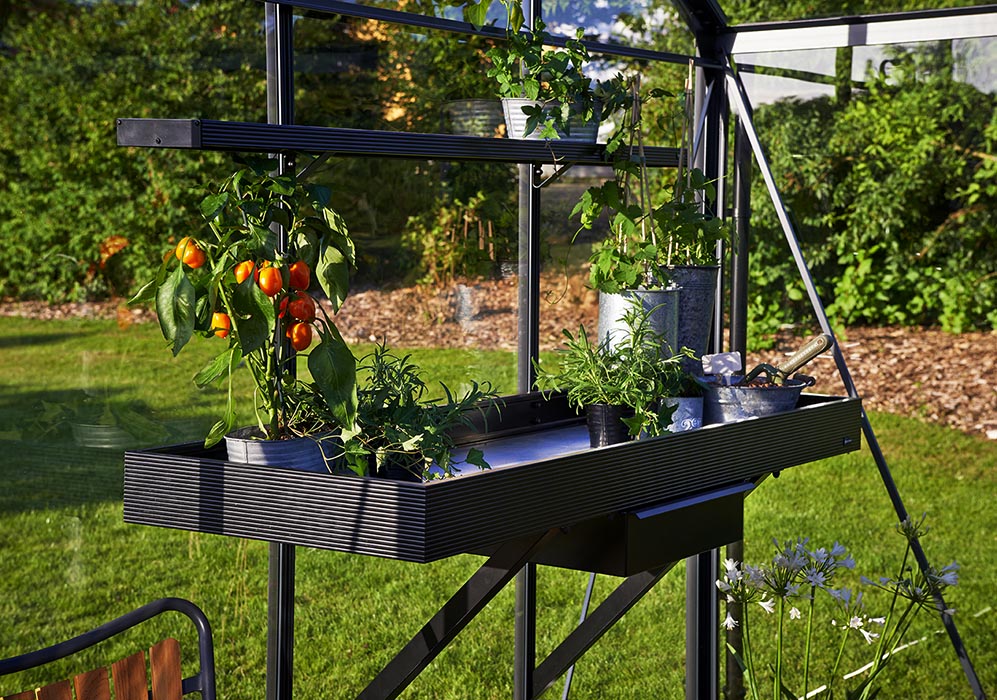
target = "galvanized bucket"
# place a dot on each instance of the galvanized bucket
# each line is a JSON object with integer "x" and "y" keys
{"x": 661, "y": 304}
{"x": 515, "y": 122}
{"x": 305, "y": 453}
{"x": 723, "y": 404}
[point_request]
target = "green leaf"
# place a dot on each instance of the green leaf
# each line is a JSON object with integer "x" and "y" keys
{"x": 333, "y": 272}
{"x": 213, "y": 205}
{"x": 175, "y": 308}
{"x": 477, "y": 13}
{"x": 218, "y": 367}
{"x": 477, "y": 458}
{"x": 334, "y": 371}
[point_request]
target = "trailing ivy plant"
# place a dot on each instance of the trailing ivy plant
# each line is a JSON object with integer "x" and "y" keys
{"x": 527, "y": 66}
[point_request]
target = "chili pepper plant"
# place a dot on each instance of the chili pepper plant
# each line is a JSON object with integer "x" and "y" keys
{"x": 233, "y": 282}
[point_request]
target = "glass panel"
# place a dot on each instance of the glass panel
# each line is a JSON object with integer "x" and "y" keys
{"x": 641, "y": 23}
{"x": 362, "y": 74}
{"x": 884, "y": 157}
{"x": 744, "y": 12}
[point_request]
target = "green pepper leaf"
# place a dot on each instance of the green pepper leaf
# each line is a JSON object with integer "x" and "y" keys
{"x": 175, "y": 308}
{"x": 333, "y": 272}
{"x": 218, "y": 367}
{"x": 334, "y": 371}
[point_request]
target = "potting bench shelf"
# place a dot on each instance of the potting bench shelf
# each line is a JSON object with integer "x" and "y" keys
{"x": 544, "y": 476}
{"x": 209, "y": 134}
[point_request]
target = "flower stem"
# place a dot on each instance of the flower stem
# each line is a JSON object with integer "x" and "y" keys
{"x": 810, "y": 631}
{"x": 777, "y": 682}
{"x": 837, "y": 661}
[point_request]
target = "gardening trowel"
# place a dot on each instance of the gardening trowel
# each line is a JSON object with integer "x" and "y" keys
{"x": 813, "y": 347}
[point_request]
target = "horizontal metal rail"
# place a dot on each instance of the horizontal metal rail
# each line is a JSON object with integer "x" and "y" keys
{"x": 349, "y": 9}
{"x": 207, "y": 134}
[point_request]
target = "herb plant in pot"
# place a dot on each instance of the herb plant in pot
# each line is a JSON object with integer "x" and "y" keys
{"x": 627, "y": 264}
{"x": 618, "y": 386}
{"x": 647, "y": 236}
{"x": 232, "y": 283}
{"x": 400, "y": 432}
{"x": 544, "y": 90}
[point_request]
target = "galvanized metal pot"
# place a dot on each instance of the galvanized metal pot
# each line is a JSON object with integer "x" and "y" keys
{"x": 478, "y": 117}
{"x": 304, "y": 453}
{"x": 515, "y": 122}
{"x": 663, "y": 305}
{"x": 699, "y": 290}
{"x": 723, "y": 404}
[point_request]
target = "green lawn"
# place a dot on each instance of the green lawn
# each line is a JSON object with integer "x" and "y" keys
{"x": 69, "y": 561}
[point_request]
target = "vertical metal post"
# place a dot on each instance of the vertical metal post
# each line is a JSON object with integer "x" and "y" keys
{"x": 739, "y": 344}
{"x": 702, "y": 604}
{"x": 529, "y": 349}
{"x": 280, "y": 576}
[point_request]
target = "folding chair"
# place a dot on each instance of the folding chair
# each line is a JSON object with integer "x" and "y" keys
{"x": 129, "y": 674}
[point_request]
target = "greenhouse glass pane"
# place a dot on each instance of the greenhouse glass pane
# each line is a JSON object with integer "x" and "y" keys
{"x": 803, "y": 75}
{"x": 358, "y": 73}
{"x": 640, "y": 23}
{"x": 747, "y": 12}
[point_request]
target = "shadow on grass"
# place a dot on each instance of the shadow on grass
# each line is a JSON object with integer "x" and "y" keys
{"x": 64, "y": 448}
{"x": 28, "y": 340}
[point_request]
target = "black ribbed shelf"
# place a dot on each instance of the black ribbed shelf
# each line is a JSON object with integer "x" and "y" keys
{"x": 208, "y": 134}
{"x": 187, "y": 488}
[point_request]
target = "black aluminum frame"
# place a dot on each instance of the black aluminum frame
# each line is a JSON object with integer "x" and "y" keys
{"x": 714, "y": 38}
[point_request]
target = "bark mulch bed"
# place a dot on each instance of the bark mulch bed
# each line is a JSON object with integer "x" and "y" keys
{"x": 919, "y": 372}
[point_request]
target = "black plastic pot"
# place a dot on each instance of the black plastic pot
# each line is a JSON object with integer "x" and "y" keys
{"x": 605, "y": 424}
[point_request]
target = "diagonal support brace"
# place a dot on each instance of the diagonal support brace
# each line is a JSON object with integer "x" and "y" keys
{"x": 455, "y": 614}
{"x": 588, "y": 632}
{"x": 740, "y": 99}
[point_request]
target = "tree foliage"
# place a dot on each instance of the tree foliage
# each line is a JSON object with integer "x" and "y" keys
{"x": 79, "y": 216}
{"x": 891, "y": 194}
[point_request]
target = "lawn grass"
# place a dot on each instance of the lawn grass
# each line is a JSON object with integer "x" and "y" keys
{"x": 69, "y": 561}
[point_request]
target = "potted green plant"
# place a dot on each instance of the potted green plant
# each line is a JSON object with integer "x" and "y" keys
{"x": 649, "y": 238}
{"x": 400, "y": 433}
{"x": 619, "y": 386}
{"x": 233, "y": 283}
{"x": 545, "y": 92}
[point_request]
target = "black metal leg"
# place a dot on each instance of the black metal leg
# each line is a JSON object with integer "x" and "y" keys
{"x": 702, "y": 627}
{"x": 526, "y": 632}
{"x": 455, "y": 614}
{"x": 566, "y": 692}
{"x": 626, "y": 595}
{"x": 280, "y": 627}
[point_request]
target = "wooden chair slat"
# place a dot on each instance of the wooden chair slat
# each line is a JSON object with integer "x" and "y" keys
{"x": 92, "y": 685}
{"x": 164, "y": 658}
{"x": 62, "y": 690}
{"x": 130, "y": 682}
{"x": 25, "y": 695}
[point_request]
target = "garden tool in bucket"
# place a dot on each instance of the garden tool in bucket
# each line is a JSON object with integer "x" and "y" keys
{"x": 765, "y": 390}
